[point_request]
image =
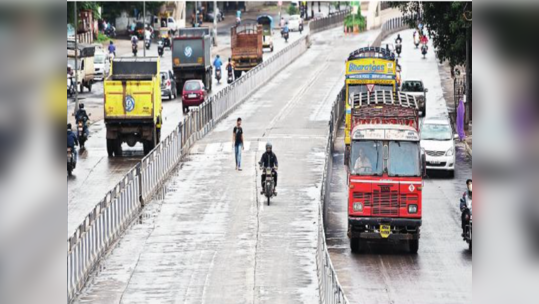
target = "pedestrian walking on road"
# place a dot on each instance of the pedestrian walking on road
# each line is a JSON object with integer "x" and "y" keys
{"x": 237, "y": 142}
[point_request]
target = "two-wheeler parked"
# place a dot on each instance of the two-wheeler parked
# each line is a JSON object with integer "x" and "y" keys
{"x": 468, "y": 228}
{"x": 147, "y": 43}
{"x": 218, "y": 75}
{"x": 71, "y": 163}
{"x": 424, "y": 49}
{"x": 160, "y": 48}
{"x": 269, "y": 182}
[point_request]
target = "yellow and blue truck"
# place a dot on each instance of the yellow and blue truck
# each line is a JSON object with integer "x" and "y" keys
{"x": 368, "y": 69}
{"x": 132, "y": 105}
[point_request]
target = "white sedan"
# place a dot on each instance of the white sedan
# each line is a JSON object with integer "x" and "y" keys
{"x": 293, "y": 23}
{"x": 438, "y": 141}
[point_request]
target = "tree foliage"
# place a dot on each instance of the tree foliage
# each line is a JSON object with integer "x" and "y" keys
{"x": 112, "y": 10}
{"x": 446, "y": 26}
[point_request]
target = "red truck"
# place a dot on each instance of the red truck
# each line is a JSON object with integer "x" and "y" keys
{"x": 246, "y": 45}
{"x": 386, "y": 170}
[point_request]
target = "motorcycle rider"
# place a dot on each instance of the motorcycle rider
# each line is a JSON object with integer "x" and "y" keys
{"x": 134, "y": 44}
{"x": 82, "y": 115}
{"x": 230, "y": 69}
{"x": 466, "y": 213}
{"x": 72, "y": 141}
{"x": 269, "y": 160}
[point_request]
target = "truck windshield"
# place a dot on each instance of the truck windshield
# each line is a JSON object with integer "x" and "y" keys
{"x": 403, "y": 159}
{"x": 366, "y": 158}
{"x": 361, "y": 88}
{"x": 99, "y": 58}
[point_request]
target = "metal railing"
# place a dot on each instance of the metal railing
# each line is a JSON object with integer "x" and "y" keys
{"x": 328, "y": 22}
{"x": 114, "y": 213}
{"x": 330, "y": 288}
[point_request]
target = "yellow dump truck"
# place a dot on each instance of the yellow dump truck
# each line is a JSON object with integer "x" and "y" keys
{"x": 133, "y": 110}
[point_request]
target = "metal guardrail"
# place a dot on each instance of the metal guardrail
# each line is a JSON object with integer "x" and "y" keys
{"x": 115, "y": 212}
{"x": 328, "y": 22}
{"x": 331, "y": 291}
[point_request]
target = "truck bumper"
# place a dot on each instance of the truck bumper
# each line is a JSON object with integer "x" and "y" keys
{"x": 402, "y": 229}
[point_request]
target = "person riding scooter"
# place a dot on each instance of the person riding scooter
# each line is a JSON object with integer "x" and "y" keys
{"x": 160, "y": 48}
{"x": 230, "y": 71}
{"x": 81, "y": 115}
{"x": 466, "y": 212}
{"x": 269, "y": 160}
{"x": 72, "y": 141}
{"x": 134, "y": 46}
{"x": 286, "y": 32}
{"x": 217, "y": 63}
{"x": 399, "y": 39}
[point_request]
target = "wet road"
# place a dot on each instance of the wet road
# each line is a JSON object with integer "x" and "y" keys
{"x": 442, "y": 270}
{"x": 96, "y": 173}
{"x": 210, "y": 238}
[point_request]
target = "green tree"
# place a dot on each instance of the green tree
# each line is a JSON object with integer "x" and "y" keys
{"x": 82, "y": 6}
{"x": 293, "y": 10}
{"x": 446, "y": 23}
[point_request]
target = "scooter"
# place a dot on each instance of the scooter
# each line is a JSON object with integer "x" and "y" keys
{"x": 147, "y": 43}
{"x": 468, "y": 227}
{"x": 269, "y": 183}
{"x": 300, "y": 28}
{"x": 424, "y": 49}
{"x": 71, "y": 163}
{"x": 160, "y": 48}
{"x": 398, "y": 49}
{"x": 286, "y": 35}
{"x": 81, "y": 133}
{"x": 230, "y": 78}
{"x": 135, "y": 49}
{"x": 218, "y": 75}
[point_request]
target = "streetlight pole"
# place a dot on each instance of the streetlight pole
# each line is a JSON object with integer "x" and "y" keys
{"x": 144, "y": 27}
{"x": 215, "y": 16}
{"x": 76, "y": 68}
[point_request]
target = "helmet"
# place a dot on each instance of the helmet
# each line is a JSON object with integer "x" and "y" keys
{"x": 111, "y": 42}
{"x": 218, "y": 56}
{"x": 81, "y": 106}
{"x": 69, "y": 126}
{"x": 268, "y": 146}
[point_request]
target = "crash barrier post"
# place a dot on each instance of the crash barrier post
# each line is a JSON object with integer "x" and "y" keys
{"x": 115, "y": 212}
{"x": 331, "y": 291}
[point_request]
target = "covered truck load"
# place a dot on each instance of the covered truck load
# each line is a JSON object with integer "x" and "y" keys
{"x": 133, "y": 104}
{"x": 191, "y": 56}
{"x": 246, "y": 44}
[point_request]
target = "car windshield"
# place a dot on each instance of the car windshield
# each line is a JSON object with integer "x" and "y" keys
{"x": 192, "y": 86}
{"x": 71, "y": 63}
{"x": 294, "y": 18}
{"x": 412, "y": 86}
{"x": 99, "y": 58}
{"x": 436, "y": 132}
{"x": 366, "y": 158}
{"x": 403, "y": 159}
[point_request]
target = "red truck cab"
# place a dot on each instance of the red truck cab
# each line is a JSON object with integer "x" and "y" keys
{"x": 386, "y": 169}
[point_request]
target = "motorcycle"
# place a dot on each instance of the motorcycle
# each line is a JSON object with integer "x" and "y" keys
{"x": 218, "y": 75}
{"x": 160, "y": 48}
{"x": 135, "y": 49}
{"x": 110, "y": 32}
{"x": 70, "y": 86}
{"x": 230, "y": 76}
{"x": 286, "y": 35}
{"x": 148, "y": 43}
{"x": 300, "y": 28}
{"x": 71, "y": 163}
{"x": 81, "y": 133}
{"x": 468, "y": 227}
{"x": 269, "y": 183}
{"x": 424, "y": 51}
{"x": 398, "y": 49}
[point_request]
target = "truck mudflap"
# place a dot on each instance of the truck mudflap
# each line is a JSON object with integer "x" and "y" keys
{"x": 391, "y": 229}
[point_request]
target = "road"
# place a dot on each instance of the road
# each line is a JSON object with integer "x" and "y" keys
{"x": 442, "y": 270}
{"x": 209, "y": 237}
{"x": 96, "y": 173}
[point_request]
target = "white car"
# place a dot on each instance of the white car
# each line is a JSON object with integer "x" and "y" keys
{"x": 101, "y": 65}
{"x": 437, "y": 140}
{"x": 293, "y": 23}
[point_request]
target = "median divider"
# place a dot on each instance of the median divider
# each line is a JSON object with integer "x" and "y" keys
{"x": 112, "y": 215}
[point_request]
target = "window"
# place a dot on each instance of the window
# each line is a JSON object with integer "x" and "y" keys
{"x": 436, "y": 132}
{"x": 404, "y": 159}
{"x": 192, "y": 86}
{"x": 413, "y": 86}
{"x": 366, "y": 158}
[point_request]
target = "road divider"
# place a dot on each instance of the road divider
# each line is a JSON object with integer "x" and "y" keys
{"x": 111, "y": 216}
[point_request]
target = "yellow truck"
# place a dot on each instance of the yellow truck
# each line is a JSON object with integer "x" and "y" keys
{"x": 368, "y": 69}
{"x": 132, "y": 105}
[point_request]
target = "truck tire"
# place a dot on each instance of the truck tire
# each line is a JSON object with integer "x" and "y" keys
{"x": 237, "y": 74}
{"x": 81, "y": 86}
{"x": 110, "y": 147}
{"x": 414, "y": 246}
{"x": 355, "y": 245}
{"x": 117, "y": 148}
{"x": 89, "y": 86}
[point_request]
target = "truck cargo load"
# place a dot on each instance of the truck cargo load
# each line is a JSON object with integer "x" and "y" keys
{"x": 191, "y": 57}
{"x": 246, "y": 45}
{"x": 132, "y": 104}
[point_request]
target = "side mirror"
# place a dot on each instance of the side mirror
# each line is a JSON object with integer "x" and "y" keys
{"x": 456, "y": 137}
{"x": 426, "y": 90}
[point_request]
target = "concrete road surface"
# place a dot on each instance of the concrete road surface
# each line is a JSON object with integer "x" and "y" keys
{"x": 442, "y": 270}
{"x": 211, "y": 238}
{"x": 96, "y": 173}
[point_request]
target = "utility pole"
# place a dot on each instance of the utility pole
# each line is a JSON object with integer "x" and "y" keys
{"x": 144, "y": 27}
{"x": 76, "y": 68}
{"x": 215, "y": 16}
{"x": 468, "y": 78}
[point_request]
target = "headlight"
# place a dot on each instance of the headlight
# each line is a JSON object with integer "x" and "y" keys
{"x": 450, "y": 152}
{"x": 412, "y": 209}
{"x": 358, "y": 207}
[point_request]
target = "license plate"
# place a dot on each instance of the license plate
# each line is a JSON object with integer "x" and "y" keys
{"x": 191, "y": 96}
{"x": 435, "y": 162}
{"x": 385, "y": 230}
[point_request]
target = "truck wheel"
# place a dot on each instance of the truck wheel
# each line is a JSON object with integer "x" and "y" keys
{"x": 90, "y": 86}
{"x": 470, "y": 246}
{"x": 237, "y": 74}
{"x": 414, "y": 246}
{"x": 355, "y": 245}
{"x": 110, "y": 147}
{"x": 117, "y": 148}
{"x": 81, "y": 86}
